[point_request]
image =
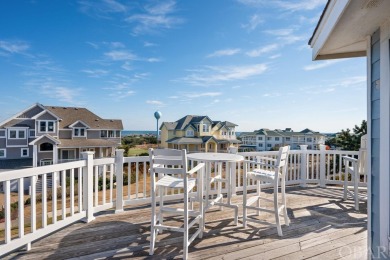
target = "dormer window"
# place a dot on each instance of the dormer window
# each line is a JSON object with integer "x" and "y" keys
{"x": 205, "y": 128}
{"x": 190, "y": 133}
{"x": 46, "y": 126}
{"x": 79, "y": 132}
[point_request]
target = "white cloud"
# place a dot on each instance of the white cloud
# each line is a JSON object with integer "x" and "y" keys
{"x": 215, "y": 75}
{"x": 94, "y": 45}
{"x": 319, "y": 65}
{"x": 118, "y": 55}
{"x": 103, "y": 8}
{"x": 96, "y": 73}
{"x": 275, "y": 56}
{"x": 153, "y": 60}
{"x": 149, "y": 44}
{"x": 301, "y": 5}
{"x": 127, "y": 66}
{"x": 224, "y": 52}
{"x": 280, "y": 32}
{"x": 203, "y": 94}
{"x": 155, "y": 17}
{"x": 262, "y": 50}
{"x": 14, "y": 47}
{"x": 155, "y": 102}
{"x": 60, "y": 93}
{"x": 352, "y": 81}
{"x": 254, "y": 21}
{"x": 292, "y": 6}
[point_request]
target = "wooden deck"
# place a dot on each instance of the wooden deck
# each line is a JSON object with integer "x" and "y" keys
{"x": 323, "y": 226}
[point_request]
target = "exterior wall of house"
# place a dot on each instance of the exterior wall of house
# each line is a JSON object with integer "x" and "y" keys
{"x": 375, "y": 136}
{"x": 31, "y": 112}
{"x": 65, "y": 134}
{"x": 93, "y": 134}
{"x": 164, "y": 137}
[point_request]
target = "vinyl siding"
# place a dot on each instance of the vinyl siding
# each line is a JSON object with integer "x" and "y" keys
{"x": 375, "y": 137}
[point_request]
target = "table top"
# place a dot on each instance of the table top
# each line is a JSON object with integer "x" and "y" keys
{"x": 215, "y": 157}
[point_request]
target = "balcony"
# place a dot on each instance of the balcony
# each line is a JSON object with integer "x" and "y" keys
{"x": 112, "y": 196}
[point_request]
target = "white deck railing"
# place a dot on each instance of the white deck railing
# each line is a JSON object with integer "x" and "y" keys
{"x": 61, "y": 194}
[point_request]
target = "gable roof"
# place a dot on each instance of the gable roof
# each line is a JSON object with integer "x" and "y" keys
{"x": 69, "y": 115}
{"x": 193, "y": 120}
{"x": 51, "y": 138}
{"x": 66, "y": 115}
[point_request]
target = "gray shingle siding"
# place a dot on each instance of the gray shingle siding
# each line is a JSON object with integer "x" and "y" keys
{"x": 375, "y": 137}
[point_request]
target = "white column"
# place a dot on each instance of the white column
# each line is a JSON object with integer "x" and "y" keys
{"x": 119, "y": 179}
{"x": 322, "y": 165}
{"x": 303, "y": 165}
{"x": 35, "y": 155}
{"x": 88, "y": 186}
{"x": 55, "y": 154}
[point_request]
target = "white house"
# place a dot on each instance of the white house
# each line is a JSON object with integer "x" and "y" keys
{"x": 265, "y": 139}
{"x": 357, "y": 28}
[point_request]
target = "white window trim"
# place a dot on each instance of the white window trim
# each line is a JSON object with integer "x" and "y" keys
{"x": 114, "y": 136}
{"x": 79, "y": 128}
{"x": 17, "y": 134}
{"x": 5, "y": 133}
{"x": 21, "y": 152}
{"x": 5, "y": 153}
{"x": 46, "y": 126}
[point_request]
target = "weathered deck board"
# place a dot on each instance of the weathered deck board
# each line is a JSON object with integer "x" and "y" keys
{"x": 322, "y": 226}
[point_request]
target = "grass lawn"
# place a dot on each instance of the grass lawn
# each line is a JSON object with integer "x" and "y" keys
{"x": 136, "y": 151}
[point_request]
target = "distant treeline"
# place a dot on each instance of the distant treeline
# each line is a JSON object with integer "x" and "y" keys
{"x": 131, "y": 141}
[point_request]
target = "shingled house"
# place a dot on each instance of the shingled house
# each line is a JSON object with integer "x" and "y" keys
{"x": 198, "y": 134}
{"x": 42, "y": 135}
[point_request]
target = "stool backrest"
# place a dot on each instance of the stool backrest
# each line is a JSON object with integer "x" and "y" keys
{"x": 282, "y": 159}
{"x": 168, "y": 161}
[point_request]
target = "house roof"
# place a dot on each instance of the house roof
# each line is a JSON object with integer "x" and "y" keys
{"x": 193, "y": 120}
{"x": 285, "y": 133}
{"x": 70, "y": 115}
{"x": 67, "y": 116}
{"x": 344, "y": 26}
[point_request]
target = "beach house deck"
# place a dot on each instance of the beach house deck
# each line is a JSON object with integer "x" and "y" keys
{"x": 52, "y": 223}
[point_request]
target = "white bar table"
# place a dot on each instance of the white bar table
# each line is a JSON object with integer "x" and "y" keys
{"x": 216, "y": 158}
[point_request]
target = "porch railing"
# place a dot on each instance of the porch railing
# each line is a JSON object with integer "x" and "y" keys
{"x": 41, "y": 200}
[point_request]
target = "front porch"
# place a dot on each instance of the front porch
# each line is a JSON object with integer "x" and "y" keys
{"x": 323, "y": 226}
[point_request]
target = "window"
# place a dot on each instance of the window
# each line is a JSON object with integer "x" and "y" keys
{"x": 260, "y": 145}
{"x": 269, "y": 145}
{"x": 288, "y": 139}
{"x": 3, "y": 153}
{"x": 16, "y": 134}
{"x": 46, "y": 126}
{"x": 276, "y": 138}
{"x": 31, "y": 133}
{"x": 111, "y": 133}
{"x": 269, "y": 138}
{"x": 46, "y": 147}
{"x": 79, "y": 132}
{"x": 260, "y": 138}
{"x": 24, "y": 152}
{"x": 2, "y": 133}
{"x": 190, "y": 133}
{"x": 309, "y": 139}
{"x": 205, "y": 127}
{"x": 44, "y": 162}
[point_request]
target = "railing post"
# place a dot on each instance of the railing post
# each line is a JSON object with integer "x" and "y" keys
{"x": 303, "y": 165}
{"x": 322, "y": 165}
{"x": 119, "y": 179}
{"x": 88, "y": 186}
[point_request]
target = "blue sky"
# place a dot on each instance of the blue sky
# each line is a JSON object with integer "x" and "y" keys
{"x": 244, "y": 61}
